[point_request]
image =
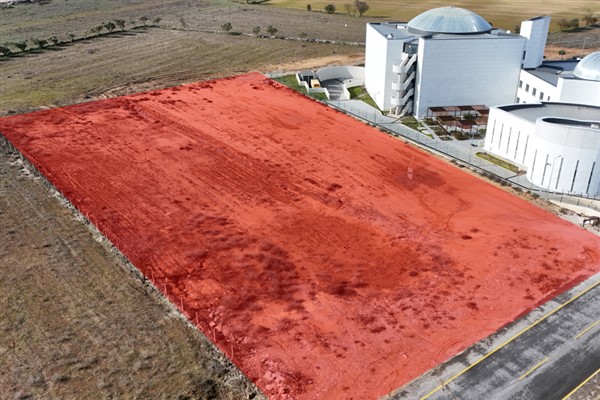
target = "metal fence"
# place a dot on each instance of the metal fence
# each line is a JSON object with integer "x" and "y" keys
{"x": 463, "y": 154}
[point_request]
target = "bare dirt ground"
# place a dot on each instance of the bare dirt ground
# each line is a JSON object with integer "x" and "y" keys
{"x": 311, "y": 257}
{"x": 575, "y": 44}
{"x": 76, "y": 325}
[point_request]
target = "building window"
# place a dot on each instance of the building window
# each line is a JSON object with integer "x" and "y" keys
{"x": 518, "y": 100}
{"x": 541, "y": 95}
{"x": 574, "y": 176}
{"x": 527, "y": 87}
{"x": 533, "y": 91}
{"x": 520, "y": 84}
{"x": 548, "y": 98}
{"x": 590, "y": 180}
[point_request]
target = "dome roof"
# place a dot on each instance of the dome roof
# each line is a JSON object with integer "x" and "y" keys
{"x": 451, "y": 19}
{"x": 589, "y": 67}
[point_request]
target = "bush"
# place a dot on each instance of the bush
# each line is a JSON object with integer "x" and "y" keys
{"x": 226, "y": 27}
{"x": 308, "y": 7}
{"x": 272, "y": 30}
{"x": 256, "y": 30}
{"x": 330, "y": 8}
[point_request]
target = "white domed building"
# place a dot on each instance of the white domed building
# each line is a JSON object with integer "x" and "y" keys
{"x": 570, "y": 81}
{"x": 555, "y": 137}
{"x": 448, "y": 56}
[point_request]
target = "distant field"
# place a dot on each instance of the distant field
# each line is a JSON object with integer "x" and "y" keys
{"x": 502, "y": 13}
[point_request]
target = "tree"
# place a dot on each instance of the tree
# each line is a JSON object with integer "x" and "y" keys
{"x": 144, "y": 20}
{"x": 54, "y": 40}
{"x": 21, "y": 45}
{"x": 587, "y": 17}
{"x": 5, "y": 51}
{"x": 361, "y": 7}
{"x": 256, "y": 30}
{"x": 308, "y": 7}
{"x": 110, "y": 27}
{"x": 330, "y": 8}
{"x": 226, "y": 27}
{"x": 156, "y": 21}
{"x": 120, "y": 23}
{"x": 272, "y": 30}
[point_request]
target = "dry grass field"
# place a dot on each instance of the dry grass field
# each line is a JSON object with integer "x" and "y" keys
{"x": 111, "y": 337}
{"x": 501, "y": 13}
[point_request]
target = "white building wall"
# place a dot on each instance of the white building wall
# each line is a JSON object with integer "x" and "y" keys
{"x": 536, "y": 32}
{"x": 532, "y": 89}
{"x": 579, "y": 91}
{"x": 568, "y": 158}
{"x": 380, "y": 55}
{"x": 507, "y": 136}
{"x": 466, "y": 71}
{"x": 561, "y": 157}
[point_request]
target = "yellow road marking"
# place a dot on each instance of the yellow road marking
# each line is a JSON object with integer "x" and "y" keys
{"x": 536, "y": 366}
{"x": 587, "y": 329}
{"x": 508, "y": 341}
{"x": 581, "y": 384}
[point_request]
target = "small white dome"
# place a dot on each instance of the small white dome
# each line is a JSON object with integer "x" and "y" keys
{"x": 453, "y": 20}
{"x": 589, "y": 67}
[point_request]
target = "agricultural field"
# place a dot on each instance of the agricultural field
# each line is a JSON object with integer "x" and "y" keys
{"x": 310, "y": 257}
{"x": 501, "y": 13}
{"x": 75, "y": 322}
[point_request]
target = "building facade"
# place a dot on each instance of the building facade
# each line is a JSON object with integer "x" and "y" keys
{"x": 447, "y": 56}
{"x": 558, "y": 144}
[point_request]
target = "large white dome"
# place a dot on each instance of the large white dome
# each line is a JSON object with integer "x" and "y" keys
{"x": 589, "y": 67}
{"x": 453, "y": 20}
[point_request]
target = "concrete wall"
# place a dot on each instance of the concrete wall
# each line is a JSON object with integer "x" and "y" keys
{"x": 507, "y": 136}
{"x": 536, "y": 32}
{"x": 342, "y": 73}
{"x": 467, "y": 70}
{"x": 380, "y": 55}
{"x": 579, "y": 91}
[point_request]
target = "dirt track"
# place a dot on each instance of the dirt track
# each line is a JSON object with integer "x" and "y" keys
{"x": 315, "y": 251}
{"x": 75, "y": 325}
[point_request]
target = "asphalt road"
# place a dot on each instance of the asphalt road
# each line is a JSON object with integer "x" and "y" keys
{"x": 547, "y": 358}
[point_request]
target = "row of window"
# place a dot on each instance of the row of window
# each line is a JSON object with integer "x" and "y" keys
{"x": 533, "y": 92}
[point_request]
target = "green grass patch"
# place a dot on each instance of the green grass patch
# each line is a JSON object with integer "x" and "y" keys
{"x": 291, "y": 82}
{"x": 360, "y": 93}
{"x": 411, "y": 122}
{"x": 498, "y": 161}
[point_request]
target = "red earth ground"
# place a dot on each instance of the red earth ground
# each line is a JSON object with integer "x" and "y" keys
{"x": 327, "y": 259}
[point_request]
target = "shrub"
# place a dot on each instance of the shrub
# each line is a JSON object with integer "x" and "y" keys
{"x": 226, "y": 27}
{"x": 330, "y": 8}
{"x": 272, "y": 30}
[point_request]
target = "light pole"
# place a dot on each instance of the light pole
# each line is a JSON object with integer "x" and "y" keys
{"x": 551, "y": 172}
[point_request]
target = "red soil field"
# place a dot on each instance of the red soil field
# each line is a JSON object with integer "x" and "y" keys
{"x": 327, "y": 259}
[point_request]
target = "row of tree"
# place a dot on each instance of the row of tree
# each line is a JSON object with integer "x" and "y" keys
{"x": 271, "y": 30}
{"x": 358, "y": 6}
{"x": 109, "y": 27}
{"x": 589, "y": 18}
